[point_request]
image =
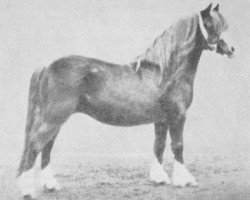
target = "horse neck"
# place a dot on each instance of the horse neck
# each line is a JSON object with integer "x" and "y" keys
{"x": 185, "y": 63}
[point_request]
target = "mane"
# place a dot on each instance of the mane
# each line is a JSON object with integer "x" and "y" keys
{"x": 168, "y": 48}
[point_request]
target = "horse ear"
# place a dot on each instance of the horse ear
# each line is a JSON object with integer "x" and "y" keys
{"x": 208, "y": 9}
{"x": 216, "y": 8}
{"x": 206, "y": 12}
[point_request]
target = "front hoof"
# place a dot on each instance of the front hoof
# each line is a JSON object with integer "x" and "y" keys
{"x": 28, "y": 197}
{"x": 163, "y": 179}
{"x": 52, "y": 187}
{"x": 185, "y": 183}
{"x": 182, "y": 177}
{"x": 158, "y": 175}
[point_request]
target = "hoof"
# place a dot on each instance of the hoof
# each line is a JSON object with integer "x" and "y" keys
{"x": 48, "y": 181}
{"x": 182, "y": 177}
{"x": 49, "y": 190}
{"x": 158, "y": 175}
{"x": 52, "y": 186}
{"x": 160, "y": 179}
{"x": 28, "y": 197}
{"x": 26, "y": 184}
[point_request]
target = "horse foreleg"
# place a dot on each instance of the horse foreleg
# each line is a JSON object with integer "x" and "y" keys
{"x": 157, "y": 173}
{"x": 181, "y": 176}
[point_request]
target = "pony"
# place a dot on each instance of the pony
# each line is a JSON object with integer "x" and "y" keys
{"x": 156, "y": 87}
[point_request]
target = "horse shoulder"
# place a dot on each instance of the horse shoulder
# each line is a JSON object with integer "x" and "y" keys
{"x": 180, "y": 96}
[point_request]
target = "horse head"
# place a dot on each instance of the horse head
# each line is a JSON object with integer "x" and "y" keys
{"x": 213, "y": 25}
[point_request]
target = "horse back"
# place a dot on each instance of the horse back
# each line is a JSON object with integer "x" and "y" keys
{"x": 79, "y": 84}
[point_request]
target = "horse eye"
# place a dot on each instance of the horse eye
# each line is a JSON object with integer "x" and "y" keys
{"x": 209, "y": 24}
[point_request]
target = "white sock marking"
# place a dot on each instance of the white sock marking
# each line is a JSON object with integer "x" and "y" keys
{"x": 26, "y": 183}
{"x": 48, "y": 180}
{"x": 157, "y": 173}
{"x": 182, "y": 177}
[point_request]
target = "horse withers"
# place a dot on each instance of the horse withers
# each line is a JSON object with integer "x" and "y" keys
{"x": 156, "y": 87}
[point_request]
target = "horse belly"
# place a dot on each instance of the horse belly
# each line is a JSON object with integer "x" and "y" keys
{"x": 121, "y": 115}
{"x": 121, "y": 100}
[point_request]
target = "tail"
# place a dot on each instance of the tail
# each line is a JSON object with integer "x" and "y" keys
{"x": 33, "y": 104}
{"x": 34, "y": 97}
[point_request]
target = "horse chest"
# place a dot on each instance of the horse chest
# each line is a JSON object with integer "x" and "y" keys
{"x": 179, "y": 97}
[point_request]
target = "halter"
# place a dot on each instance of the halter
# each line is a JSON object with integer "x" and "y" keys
{"x": 204, "y": 33}
{"x": 202, "y": 27}
{"x": 138, "y": 64}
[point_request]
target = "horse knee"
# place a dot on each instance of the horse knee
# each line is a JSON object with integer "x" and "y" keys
{"x": 177, "y": 149}
{"x": 159, "y": 147}
{"x": 160, "y": 144}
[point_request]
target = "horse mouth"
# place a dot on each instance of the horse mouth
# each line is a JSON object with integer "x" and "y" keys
{"x": 230, "y": 56}
{"x": 223, "y": 49}
{"x": 230, "y": 53}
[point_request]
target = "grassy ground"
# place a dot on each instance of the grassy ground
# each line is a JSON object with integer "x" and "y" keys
{"x": 126, "y": 177}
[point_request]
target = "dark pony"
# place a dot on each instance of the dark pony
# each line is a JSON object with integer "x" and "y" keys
{"x": 156, "y": 87}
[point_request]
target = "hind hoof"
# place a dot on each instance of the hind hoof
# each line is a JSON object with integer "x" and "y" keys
{"x": 28, "y": 197}
{"x": 26, "y": 184}
{"x": 52, "y": 188}
{"x": 48, "y": 181}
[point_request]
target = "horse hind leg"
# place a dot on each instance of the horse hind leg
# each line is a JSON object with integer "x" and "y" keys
{"x": 26, "y": 172}
{"x": 47, "y": 179}
{"x": 40, "y": 139}
{"x": 37, "y": 140}
{"x": 58, "y": 111}
{"x": 43, "y": 124}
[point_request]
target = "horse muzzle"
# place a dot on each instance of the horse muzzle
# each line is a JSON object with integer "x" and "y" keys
{"x": 223, "y": 48}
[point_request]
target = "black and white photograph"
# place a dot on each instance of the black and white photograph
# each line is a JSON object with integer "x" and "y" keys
{"x": 124, "y": 100}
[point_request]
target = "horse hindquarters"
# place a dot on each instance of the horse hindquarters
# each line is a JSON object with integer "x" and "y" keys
{"x": 44, "y": 120}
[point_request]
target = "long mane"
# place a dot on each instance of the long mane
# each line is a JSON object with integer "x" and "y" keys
{"x": 168, "y": 48}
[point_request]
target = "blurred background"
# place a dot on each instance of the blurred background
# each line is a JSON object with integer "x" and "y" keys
{"x": 35, "y": 33}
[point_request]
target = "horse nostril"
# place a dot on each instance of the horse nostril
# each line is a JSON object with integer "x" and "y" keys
{"x": 232, "y": 49}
